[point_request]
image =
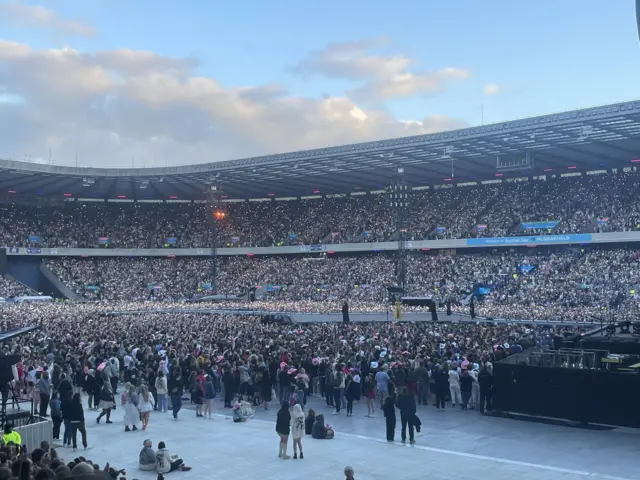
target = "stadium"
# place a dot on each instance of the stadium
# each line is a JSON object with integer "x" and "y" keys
{"x": 479, "y": 243}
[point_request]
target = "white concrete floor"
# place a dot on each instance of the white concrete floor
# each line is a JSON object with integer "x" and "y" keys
{"x": 452, "y": 446}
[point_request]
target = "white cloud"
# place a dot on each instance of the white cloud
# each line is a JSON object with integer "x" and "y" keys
{"x": 41, "y": 17}
{"x": 114, "y": 107}
{"x": 491, "y": 89}
{"x": 381, "y": 76}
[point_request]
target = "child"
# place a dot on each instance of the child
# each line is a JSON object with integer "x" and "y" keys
{"x": 348, "y": 473}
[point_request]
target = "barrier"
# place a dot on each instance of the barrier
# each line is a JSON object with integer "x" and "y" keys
{"x": 34, "y": 433}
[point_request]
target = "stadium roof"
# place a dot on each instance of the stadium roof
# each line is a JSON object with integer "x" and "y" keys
{"x": 595, "y": 138}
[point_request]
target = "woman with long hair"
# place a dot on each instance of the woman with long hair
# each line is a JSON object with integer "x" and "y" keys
{"x": 130, "y": 401}
{"x": 369, "y": 388}
{"x": 283, "y": 423}
{"x": 162, "y": 389}
{"x": 106, "y": 402}
{"x": 146, "y": 405}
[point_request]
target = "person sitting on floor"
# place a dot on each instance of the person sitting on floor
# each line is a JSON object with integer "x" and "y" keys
{"x": 147, "y": 457}
{"x": 242, "y": 411}
{"x": 166, "y": 462}
{"x": 308, "y": 422}
{"x": 320, "y": 431}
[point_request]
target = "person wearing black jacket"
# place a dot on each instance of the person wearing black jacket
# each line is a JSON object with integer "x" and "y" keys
{"x": 406, "y": 403}
{"x": 176, "y": 388}
{"x": 76, "y": 420}
{"x": 283, "y": 426}
{"x": 389, "y": 409}
{"x": 485, "y": 381}
{"x": 441, "y": 386}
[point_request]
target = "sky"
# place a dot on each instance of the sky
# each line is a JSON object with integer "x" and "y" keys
{"x": 115, "y": 83}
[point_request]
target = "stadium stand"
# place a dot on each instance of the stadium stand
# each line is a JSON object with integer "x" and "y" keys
{"x": 594, "y": 203}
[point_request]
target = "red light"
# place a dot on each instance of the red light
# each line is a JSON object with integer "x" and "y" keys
{"x": 316, "y": 191}
{"x": 271, "y": 194}
{"x": 250, "y": 254}
{"x": 121, "y": 196}
{"x": 637, "y": 160}
{"x": 572, "y": 167}
{"x": 548, "y": 169}
{"x": 171, "y": 256}
{"x": 219, "y": 215}
{"x": 448, "y": 179}
{"x": 425, "y": 249}
{"x": 12, "y": 191}
{"x": 357, "y": 188}
{"x": 330, "y": 252}
{"x": 173, "y": 197}
{"x": 499, "y": 174}
{"x": 67, "y": 194}
{"x": 223, "y": 196}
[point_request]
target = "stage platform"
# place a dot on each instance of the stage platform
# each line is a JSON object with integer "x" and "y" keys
{"x": 452, "y": 445}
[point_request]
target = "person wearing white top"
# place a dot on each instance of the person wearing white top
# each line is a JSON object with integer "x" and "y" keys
{"x": 146, "y": 405}
{"x": 297, "y": 430}
{"x": 454, "y": 386}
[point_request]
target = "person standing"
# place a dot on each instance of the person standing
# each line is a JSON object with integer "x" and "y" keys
{"x": 382, "y": 384}
{"x": 44, "y": 387}
{"x": 441, "y": 386}
{"x": 422, "y": 378}
{"x": 283, "y": 422}
{"x": 176, "y": 388}
{"x": 76, "y": 421}
{"x": 107, "y": 402}
{"x": 389, "y": 409}
{"x": 297, "y": 430}
{"x": 161, "y": 390}
{"x": 146, "y": 406}
{"x": 56, "y": 415}
{"x": 485, "y": 381}
{"x": 407, "y": 406}
{"x": 454, "y": 386}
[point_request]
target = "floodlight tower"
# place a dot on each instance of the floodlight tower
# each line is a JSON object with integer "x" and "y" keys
{"x": 399, "y": 201}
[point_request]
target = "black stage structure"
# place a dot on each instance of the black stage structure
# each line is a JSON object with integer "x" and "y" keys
{"x": 399, "y": 202}
{"x": 17, "y": 416}
{"x": 589, "y": 379}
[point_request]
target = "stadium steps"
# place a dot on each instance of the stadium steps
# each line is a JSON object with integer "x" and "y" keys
{"x": 61, "y": 288}
{"x": 11, "y": 278}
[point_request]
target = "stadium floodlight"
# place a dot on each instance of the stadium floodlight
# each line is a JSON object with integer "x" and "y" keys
{"x": 401, "y": 170}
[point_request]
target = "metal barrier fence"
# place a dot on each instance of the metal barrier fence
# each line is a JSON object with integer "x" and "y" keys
{"x": 34, "y": 433}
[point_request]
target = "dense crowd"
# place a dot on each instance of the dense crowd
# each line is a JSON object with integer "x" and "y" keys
{"x": 590, "y": 203}
{"x": 161, "y": 356}
{"x": 573, "y": 284}
{"x": 11, "y": 288}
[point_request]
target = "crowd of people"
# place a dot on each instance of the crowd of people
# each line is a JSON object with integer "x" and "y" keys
{"x": 589, "y": 203}
{"x": 564, "y": 284}
{"x": 9, "y": 287}
{"x": 147, "y": 360}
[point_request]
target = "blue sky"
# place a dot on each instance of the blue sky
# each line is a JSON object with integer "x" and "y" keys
{"x": 541, "y": 57}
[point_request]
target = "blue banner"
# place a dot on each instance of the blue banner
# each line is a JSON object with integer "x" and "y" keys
{"x": 316, "y": 248}
{"x": 171, "y": 240}
{"x": 34, "y": 239}
{"x": 292, "y": 236}
{"x": 526, "y": 268}
{"x": 440, "y": 229}
{"x": 103, "y": 240}
{"x": 33, "y": 250}
{"x": 539, "y": 225}
{"x": 534, "y": 240}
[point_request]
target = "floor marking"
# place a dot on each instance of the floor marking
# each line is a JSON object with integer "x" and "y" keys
{"x": 504, "y": 461}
